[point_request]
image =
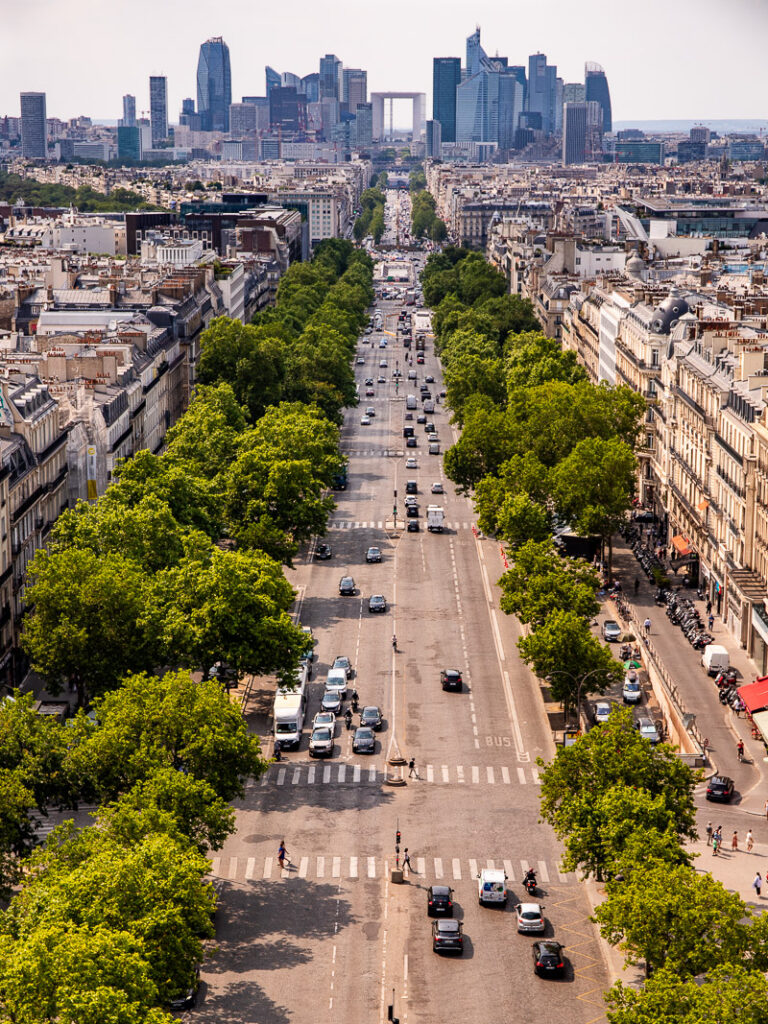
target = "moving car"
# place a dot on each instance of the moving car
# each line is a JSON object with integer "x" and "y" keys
{"x": 381, "y": 379}
{"x": 492, "y": 886}
{"x": 434, "y": 449}
{"x": 360, "y": 360}
{"x": 411, "y": 463}
{"x": 447, "y": 936}
{"x": 412, "y": 511}
{"x": 377, "y": 603}
{"x": 429, "y": 379}
{"x": 364, "y": 742}
{"x": 411, "y": 442}
{"x": 421, "y": 418}
{"x": 439, "y": 901}
{"x": 382, "y": 362}
{"x": 720, "y": 787}
{"x": 437, "y": 488}
{"x": 369, "y": 393}
{"x": 336, "y": 681}
{"x": 647, "y": 729}
{"x": 632, "y": 692}
{"x": 326, "y": 718}
{"x": 370, "y": 411}
{"x": 323, "y": 551}
{"x": 373, "y": 554}
{"x": 321, "y": 742}
{"x": 365, "y": 421}
{"x": 369, "y": 382}
{"x": 411, "y": 487}
{"x": 450, "y": 679}
{"x": 602, "y": 711}
{"x": 530, "y": 917}
{"x": 370, "y": 717}
{"x": 413, "y": 526}
{"x": 331, "y": 702}
{"x": 346, "y": 586}
{"x": 547, "y": 958}
{"x": 611, "y": 631}
{"x": 341, "y": 661}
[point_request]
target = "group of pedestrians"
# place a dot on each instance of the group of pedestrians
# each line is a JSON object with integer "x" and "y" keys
{"x": 715, "y": 839}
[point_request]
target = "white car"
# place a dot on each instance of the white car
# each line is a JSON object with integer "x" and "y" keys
{"x": 602, "y": 711}
{"x": 365, "y": 421}
{"x": 437, "y": 488}
{"x": 492, "y": 886}
{"x": 632, "y": 691}
{"x": 411, "y": 463}
{"x": 530, "y": 917}
{"x": 324, "y": 718}
{"x": 382, "y": 362}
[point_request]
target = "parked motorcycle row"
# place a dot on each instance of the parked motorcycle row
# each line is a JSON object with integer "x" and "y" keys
{"x": 726, "y": 682}
{"x": 682, "y": 612}
{"x": 647, "y": 559}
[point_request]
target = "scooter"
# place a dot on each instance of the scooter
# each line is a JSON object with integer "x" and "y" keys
{"x": 530, "y": 886}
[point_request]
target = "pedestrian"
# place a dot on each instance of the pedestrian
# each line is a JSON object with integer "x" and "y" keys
{"x": 412, "y": 768}
{"x": 750, "y": 841}
{"x": 637, "y": 584}
{"x": 647, "y": 625}
{"x": 282, "y": 854}
{"x": 709, "y": 606}
{"x": 715, "y": 844}
{"x": 757, "y": 885}
{"x": 740, "y": 750}
{"x": 711, "y": 620}
{"x": 735, "y": 841}
{"x": 407, "y": 861}
{"x": 709, "y": 833}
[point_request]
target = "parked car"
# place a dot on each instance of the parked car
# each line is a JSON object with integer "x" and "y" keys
{"x": 364, "y": 741}
{"x": 439, "y": 901}
{"x": 720, "y": 787}
{"x": 346, "y": 586}
{"x": 370, "y": 717}
{"x": 447, "y": 936}
{"x": 323, "y": 551}
{"x": 187, "y": 999}
{"x": 632, "y": 691}
{"x": 377, "y": 603}
{"x": 530, "y": 917}
{"x": 547, "y": 958}
{"x": 648, "y": 730}
{"x": 611, "y": 631}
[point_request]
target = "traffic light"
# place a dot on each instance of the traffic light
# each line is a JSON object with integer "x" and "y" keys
{"x": 397, "y": 838}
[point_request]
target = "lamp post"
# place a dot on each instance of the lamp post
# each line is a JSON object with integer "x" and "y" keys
{"x": 573, "y": 678}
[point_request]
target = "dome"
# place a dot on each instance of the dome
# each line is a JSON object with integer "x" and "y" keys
{"x": 635, "y": 266}
{"x": 668, "y": 312}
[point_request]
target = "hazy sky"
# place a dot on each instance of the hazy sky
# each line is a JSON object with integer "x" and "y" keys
{"x": 663, "y": 58}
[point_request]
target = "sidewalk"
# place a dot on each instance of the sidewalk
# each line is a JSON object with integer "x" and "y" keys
{"x": 718, "y": 724}
{"x": 734, "y": 868}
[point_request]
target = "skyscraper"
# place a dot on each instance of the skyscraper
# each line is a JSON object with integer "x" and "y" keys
{"x": 542, "y": 91}
{"x": 446, "y": 77}
{"x": 364, "y": 124}
{"x": 354, "y": 88}
{"x": 476, "y": 55}
{"x": 287, "y": 109}
{"x": 129, "y": 111}
{"x": 330, "y": 77}
{"x": 158, "y": 107}
{"x": 574, "y": 133}
{"x": 433, "y": 140}
{"x": 574, "y": 92}
{"x": 34, "y": 132}
{"x": 597, "y": 89}
{"x": 214, "y": 85}
{"x": 273, "y": 79}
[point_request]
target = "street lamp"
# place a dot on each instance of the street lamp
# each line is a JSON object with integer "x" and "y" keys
{"x": 573, "y": 678}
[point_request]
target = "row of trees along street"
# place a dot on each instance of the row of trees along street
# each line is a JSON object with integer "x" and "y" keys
{"x": 539, "y": 443}
{"x": 371, "y": 219}
{"x": 177, "y": 567}
{"x": 424, "y": 220}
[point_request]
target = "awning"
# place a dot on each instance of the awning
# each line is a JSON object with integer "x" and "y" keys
{"x": 760, "y": 719}
{"x": 703, "y": 506}
{"x": 755, "y": 695}
{"x": 681, "y": 544}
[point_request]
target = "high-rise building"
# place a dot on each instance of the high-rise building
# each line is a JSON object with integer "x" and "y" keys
{"x": 214, "y": 85}
{"x": 354, "y": 88}
{"x": 574, "y": 133}
{"x": 574, "y": 92}
{"x": 129, "y": 142}
{"x": 310, "y": 86}
{"x": 596, "y": 85}
{"x": 511, "y": 106}
{"x": 243, "y": 119}
{"x": 476, "y": 55}
{"x": 542, "y": 91}
{"x": 273, "y": 79}
{"x": 433, "y": 140}
{"x": 129, "y": 111}
{"x": 287, "y": 109}
{"x": 34, "y": 132}
{"x": 446, "y": 78}
{"x": 364, "y": 124}
{"x": 330, "y": 77}
{"x": 158, "y": 108}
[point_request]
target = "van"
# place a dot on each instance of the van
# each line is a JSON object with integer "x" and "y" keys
{"x": 288, "y": 716}
{"x": 299, "y": 681}
{"x": 410, "y": 402}
{"x": 429, "y": 405}
{"x": 491, "y": 886}
{"x": 336, "y": 681}
{"x": 715, "y": 659}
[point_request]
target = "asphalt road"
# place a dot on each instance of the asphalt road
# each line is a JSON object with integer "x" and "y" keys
{"x": 331, "y": 938}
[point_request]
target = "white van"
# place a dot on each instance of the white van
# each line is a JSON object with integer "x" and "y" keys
{"x": 336, "y": 682}
{"x": 492, "y": 886}
{"x": 289, "y": 718}
{"x": 299, "y": 683}
{"x": 410, "y": 402}
{"x": 715, "y": 659}
{"x": 429, "y": 405}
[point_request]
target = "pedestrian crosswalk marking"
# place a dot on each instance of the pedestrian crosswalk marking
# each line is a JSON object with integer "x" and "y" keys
{"x": 353, "y": 867}
{"x": 505, "y": 775}
{"x": 267, "y": 867}
{"x": 456, "y": 869}
{"x": 233, "y": 867}
{"x": 296, "y": 776}
{"x": 356, "y": 773}
{"x": 378, "y": 524}
{"x": 321, "y": 867}
{"x": 303, "y": 867}
{"x": 438, "y": 867}
{"x": 489, "y": 775}
{"x": 215, "y": 865}
{"x": 311, "y": 774}
{"x": 371, "y": 774}
{"x": 346, "y": 773}
{"x": 472, "y": 868}
{"x": 371, "y": 867}
{"x": 525, "y": 866}
{"x": 521, "y": 775}
{"x": 430, "y": 773}
{"x": 342, "y": 772}
{"x": 509, "y": 870}
{"x": 326, "y": 774}
{"x": 562, "y": 875}
{"x": 446, "y": 776}
{"x": 536, "y": 776}
{"x": 491, "y": 864}
{"x": 460, "y": 773}
{"x": 281, "y": 776}
{"x": 336, "y": 868}
{"x": 421, "y": 866}
{"x": 475, "y": 773}
{"x": 543, "y": 872}
{"x": 250, "y": 867}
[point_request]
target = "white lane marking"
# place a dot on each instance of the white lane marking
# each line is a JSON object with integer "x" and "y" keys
{"x": 321, "y": 867}
{"x": 446, "y": 776}
{"x": 353, "y": 867}
{"x": 521, "y": 775}
{"x": 536, "y": 775}
{"x": 371, "y": 774}
{"x": 250, "y": 867}
{"x": 356, "y": 773}
{"x": 491, "y": 864}
{"x": 505, "y": 775}
{"x": 303, "y": 867}
{"x": 281, "y": 776}
{"x": 371, "y": 867}
{"x": 336, "y": 868}
{"x": 232, "y": 867}
{"x": 473, "y": 868}
{"x": 497, "y": 636}
{"x": 296, "y": 776}
{"x": 510, "y": 871}
{"x": 430, "y": 773}
{"x": 215, "y": 865}
{"x": 475, "y": 774}
{"x": 459, "y": 772}
{"x": 311, "y": 775}
{"x": 490, "y": 776}
{"x": 486, "y": 584}
{"x": 543, "y": 871}
{"x": 267, "y": 867}
{"x": 405, "y": 967}
{"x": 327, "y": 774}
{"x": 342, "y": 772}
{"x": 456, "y": 869}
{"x": 438, "y": 867}
{"x": 421, "y": 866}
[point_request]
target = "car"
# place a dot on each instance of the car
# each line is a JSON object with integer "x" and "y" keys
{"x": 447, "y": 936}
{"x": 381, "y": 380}
{"x": 411, "y": 442}
{"x": 331, "y": 702}
{"x": 437, "y": 488}
{"x": 439, "y": 901}
{"x": 530, "y": 917}
{"x": 410, "y": 499}
{"x": 420, "y": 360}
{"x": 321, "y": 742}
{"x": 369, "y": 392}
{"x": 382, "y": 343}
{"x": 409, "y": 416}
{"x": 323, "y": 551}
{"x": 411, "y": 375}
{"x": 383, "y": 363}
{"x": 547, "y": 958}
{"x": 602, "y": 711}
{"x": 326, "y": 718}
{"x": 429, "y": 428}
{"x": 450, "y": 679}
{"x": 411, "y": 463}
{"x": 433, "y": 438}
{"x": 369, "y": 329}
{"x": 647, "y": 729}
{"x": 611, "y": 631}
{"x": 720, "y": 787}
{"x": 411, "y": 487}
{"x": 413, "y": 526}
{"x": 364, "y": 741}
{"x": 369, "y": 382}
{"x": 377, "y": 603}
{"x": 336, "y": 680}
{"x": 434, "y": 449}
{"x": 421, "y": 418}
{"x": 370, "y": 411}
{"x": 370, "y": 717}
{"x": 346, "y": 586}
{"x": 365, "y": 421}
{"x": 412, "y": 512}
{"x": 632, "y": 692}
{"x": 429, "y": 379}
{"x": 360, "y": 360}
{"x": 188, "y": 997}
{"x": 373, "y": 555}
{"x": 342, "y": 661}
{"x": 492, "y": 886}
{"x": 397, "y": 373}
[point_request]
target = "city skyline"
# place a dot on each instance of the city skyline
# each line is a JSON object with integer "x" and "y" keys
{"x": 644, "y": 85}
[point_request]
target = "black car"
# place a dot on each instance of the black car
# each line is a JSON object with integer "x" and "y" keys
{"x": 409, "y": 415}
{"x": 187, "y": 999}
{"x": 720, "y": 787}
{"x": 364, "y": 741}
{"x": 377, "y": 603}
{"x": 370, "y": 717}
{"x": 547, "y": 958}
{"x": 413, "y": 526}
{"x": 439, "y": 901}
{"x": 346, "y": 586}
{"x": 373, "y": 555}
{"x": 412, "y": 512}
{"x": 323, "y": 551}
{"x": 447, "y": 936}
{"x": 411, "y": 442}
{"x": 450, "y": 679}
{"x": 421, "y": 418}
{"x": 429, "y": 379}
{"x": 411, "y": 487}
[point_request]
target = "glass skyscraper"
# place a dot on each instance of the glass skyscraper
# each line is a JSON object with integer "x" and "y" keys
{"x": 214, "y": 85}
{"x": 446, "y": 78}
{"x": 34, "y": 131}
{"x": 597, "y": 89}
{"x": 129, "y": 110}
{"x": 542, "y": 91}
{"x": 158, "y": 108}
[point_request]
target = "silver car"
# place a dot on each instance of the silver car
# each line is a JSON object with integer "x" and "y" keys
{"x": 530, "y": 917}
{"x": 321, "y": 742}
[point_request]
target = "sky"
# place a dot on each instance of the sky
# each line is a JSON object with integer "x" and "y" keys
{"x": 696, "y": 59}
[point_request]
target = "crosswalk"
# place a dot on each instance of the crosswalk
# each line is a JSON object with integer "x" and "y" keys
{"x": 344, "y": 773}
{"x": 366, "y": 453}
{"x": 378, "y": 524}
{"x": 435, "y": 869}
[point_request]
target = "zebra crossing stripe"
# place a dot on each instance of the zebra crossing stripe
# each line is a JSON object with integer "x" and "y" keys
{"x": 421, "y": 866}
{"x": 265, "y": 778}
{"x": 326, "y": 774}
{"x": 509, "y": 870}
{"x": 446, "y": 776}
{"x": 490, "y": 775}
{"x": 303, "y": 867}
{"x": 267, "y": 867}
{"x": 342, "y": 772}
{"x": 250, "y": 867}
{"x": 505, "y": 775}
{"x": 215, "y": 864}
{"x": 321, "y": 867}
{"x": 353, "y": 867}
{"x": 521, "y": 775}
{"x": 438, "y": 868}
{"x": 543, "y": 871}
{"x": 456, "y": 869}
{"x": 371, "y": 774}
{"x": 371, "y": 867}
{"x": 536, "y": 776}
{"x": 460, "y": 773}
{"x": 232, "y": 868}
{"x": 473, "y": 868}
{"x": 356, "y": 773}
{"x": 311, "y": 774}
{"x": 525, "y": 866}
{"x": 430, "y": 773}
{"x": 296, "y": 776}
{"x": 562, "y": 875}
{"x": 475, "y": 774}
{"x": 281, "y": 776}
{"x": 491, "y": 864}
{"x": 336, "y": 868}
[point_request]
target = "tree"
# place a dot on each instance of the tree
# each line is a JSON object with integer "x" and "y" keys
{"x": 483, "y": 444}
{"x": 521, "y": 474}
{"x": 469, "y": 375}
{"x": 564, "y": 642}
{"x": 675, "y": 917}
{"x": 439, "y": 231}
{"x": 250, "y": 359}
{"x": 16, "y": 829}
{"x": 540, "y": 582}
{"x": 729, "y": 992}
{"x": 521, "y": 519}
{"x": 209, "y": 434}
{"x": 534, "y": 359}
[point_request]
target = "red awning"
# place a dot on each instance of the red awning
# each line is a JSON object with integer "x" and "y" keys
{"x": 755, "y": 695}
{"x": 681, "y": 544}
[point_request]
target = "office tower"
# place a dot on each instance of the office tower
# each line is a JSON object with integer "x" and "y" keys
{"x": 476, "y": 55}
{"x": 597, "y": 89}
{"x": 214, "y": 85}
{"x": 243, "y": 119}
{"x": 129, "y": 142}
{"x": 129, "y": 111}
{"x": 477, "y": 108}
{"x": 273, "y": 79}
{"x": 446, "y": 78}
{"x": 542, "y": 91}
{"x": 511, "y": 103}
{"x": 330, "y": 77}
{"x": 310, "y": 86}
{"x": 188, "y": 106}
{"x": 574, "y": 92}
{"x": 433, "y": 135}
{"x": 287, "y": 109}
{"x": 364, "y": 124}
{"x": 158, "y": 108}
{"x": 34, "y": 132}
{"x": 700, "y": 133}
{"x": 354, "y": 84}
{"x": 574, "y": 133}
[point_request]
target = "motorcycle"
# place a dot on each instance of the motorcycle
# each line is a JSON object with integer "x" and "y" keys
{"x": 348, "y": 720}
{"x": 530, "y": 886}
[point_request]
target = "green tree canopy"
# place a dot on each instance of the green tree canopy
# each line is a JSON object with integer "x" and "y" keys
{"x": 540, "y": 581}
{"x": 729, "y": 992}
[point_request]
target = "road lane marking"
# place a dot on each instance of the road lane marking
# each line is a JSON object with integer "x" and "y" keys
{"x": 497, "y": 636}
{"x": 281, "y": 776}
{"x": 456, "y": 869}
{"x": 430, "y": 773}
{"x": 521, "y": 775}
{"x": 489, "y": 774}
{"x": 267, "y": 867}
{"x": 473, "y": 869}
{"x": 250, "y": 867}
{"x": 543, "y": 871}
{"x": 303, "y": 867}
{"x": 336, "y": 868}
{"x": 509, "y": 870}
{"x": 475, "y": 774}
{"x": 265, "y": 778}
{"x": 321, "y": 867}
{"x": 296, "y": 776}
{"x": 353, "y": 867}
{"x": 505, "y": 775}
{"x": 536, "y": 775}
{"x": 371, "y": 867}
{"x": 326, "y": 774}
{"x": 438, "y": 867}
